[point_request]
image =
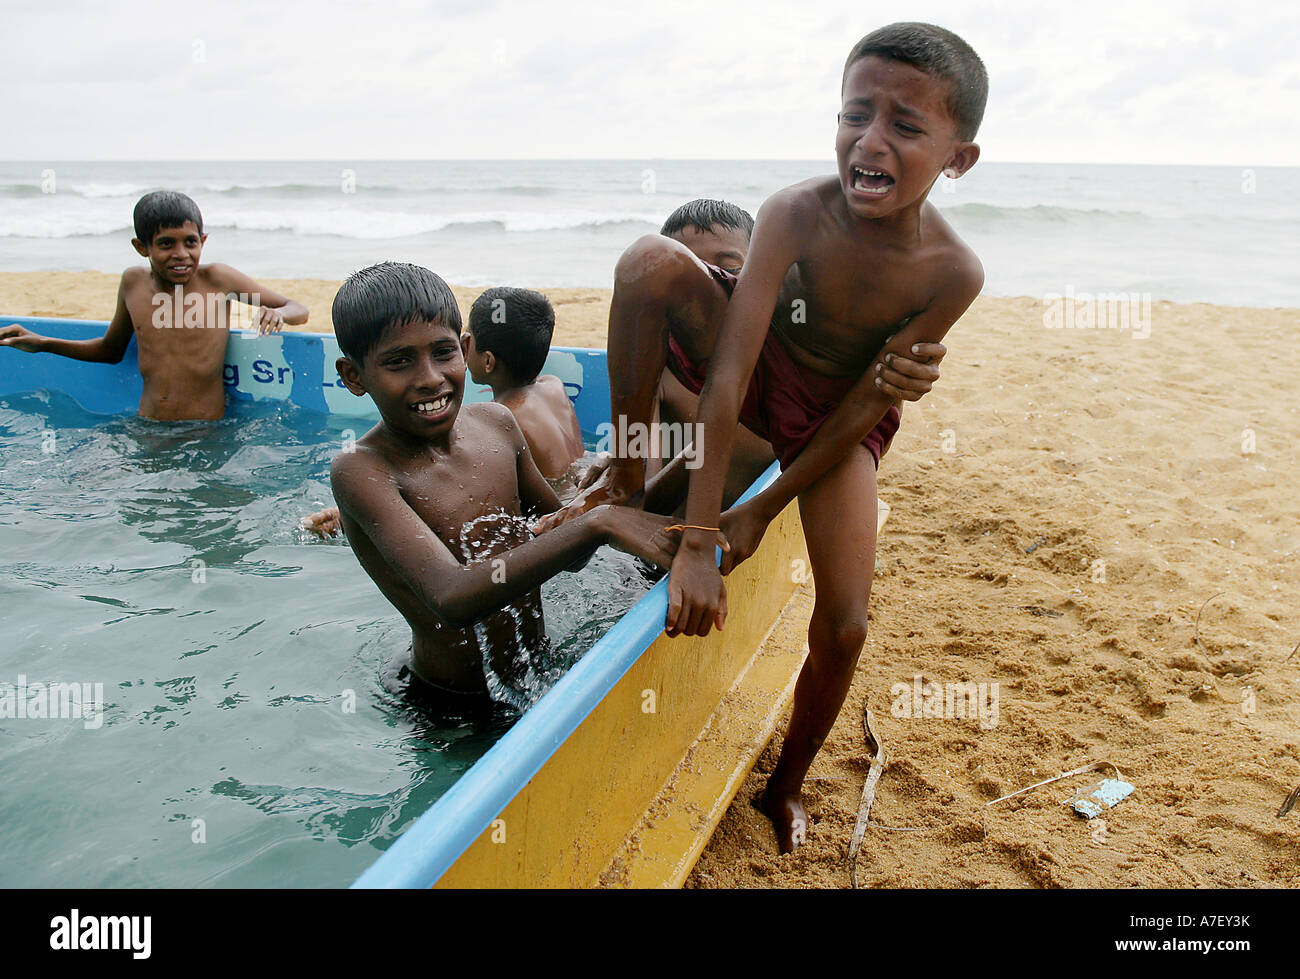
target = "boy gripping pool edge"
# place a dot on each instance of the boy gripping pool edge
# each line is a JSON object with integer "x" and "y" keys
{"x": 874, "y": 268}
{"x": 433, "y": 499}
{"x": 167, "y": 307}
{"x": 844, "y": 273}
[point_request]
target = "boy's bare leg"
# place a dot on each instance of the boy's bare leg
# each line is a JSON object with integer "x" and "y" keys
{"x": 839, "y": 523}
{"x": 659, "y": 285}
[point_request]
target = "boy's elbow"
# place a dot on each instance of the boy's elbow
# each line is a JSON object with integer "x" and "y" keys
{"x": 106, "y": 353}
{"x": 722, "y": 393}
{"x": 454, "y": 615}
{"x": 454, "y": 611}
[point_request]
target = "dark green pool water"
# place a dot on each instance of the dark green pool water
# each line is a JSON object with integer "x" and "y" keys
{"x": 245, "y": 737}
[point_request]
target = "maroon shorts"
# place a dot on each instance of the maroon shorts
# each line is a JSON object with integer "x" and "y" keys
{"x": 785, "y": 402}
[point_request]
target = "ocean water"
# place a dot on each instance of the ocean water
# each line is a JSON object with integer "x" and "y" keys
{"x": 247, "y": 735}
{"x": 1188, "y": 234}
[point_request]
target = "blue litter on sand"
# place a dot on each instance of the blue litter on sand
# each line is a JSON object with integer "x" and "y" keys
{"x": 1104, "y": 795}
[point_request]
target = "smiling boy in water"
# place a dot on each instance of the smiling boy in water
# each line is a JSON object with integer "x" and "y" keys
{"x": 505, "y": 346}
{"x": 178, "y": 311}
{"x": 435, "y": 499}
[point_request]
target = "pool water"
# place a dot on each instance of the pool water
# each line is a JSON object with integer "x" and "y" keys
{"x": 245, "y": 737}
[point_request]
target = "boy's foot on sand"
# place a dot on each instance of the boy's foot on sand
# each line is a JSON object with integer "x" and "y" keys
{"x": 325, "y": 523}
{"x": 787, "y": 815}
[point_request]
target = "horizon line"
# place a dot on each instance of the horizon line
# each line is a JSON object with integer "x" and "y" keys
{"x": 620, "y": 159}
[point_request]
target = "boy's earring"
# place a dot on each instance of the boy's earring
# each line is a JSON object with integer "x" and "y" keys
{"x": 950, "y": 173}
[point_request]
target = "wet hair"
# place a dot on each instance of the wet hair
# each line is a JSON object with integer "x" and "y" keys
{"x": 163, "y": 209}
{"x": 705, "y": 215}
{"x": 515, "y": 326}
{"x": 389, "y": 294}
{"x": 936, "y": 52}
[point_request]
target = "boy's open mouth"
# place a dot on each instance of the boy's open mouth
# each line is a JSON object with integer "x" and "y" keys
{"x": 433, "y": 406}
{"x": 870, "y": 181}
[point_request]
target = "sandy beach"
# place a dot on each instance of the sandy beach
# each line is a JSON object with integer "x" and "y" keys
{"x": 1105, "y": 526}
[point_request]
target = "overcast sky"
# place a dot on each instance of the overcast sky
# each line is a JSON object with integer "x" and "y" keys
{"x": 1135, "y": 81}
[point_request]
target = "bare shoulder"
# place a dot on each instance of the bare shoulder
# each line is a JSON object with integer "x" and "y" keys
{"x": 140, "y": 294}
{"x": 219, "y": 276}
{"x": 487, "y": 420}
{"x": 363, "y": 460}
{"x": 553, "y": 387}
{"x": 959, "y": 272}
{"x": 788, "y": 222}
{"x": 802, "y": 201}
{"x": 136, "y": 280}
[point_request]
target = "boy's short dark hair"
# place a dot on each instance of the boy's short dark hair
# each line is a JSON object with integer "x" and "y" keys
{"x": 705, "y": 215}
{"x": 515, "y": 326}
{"x": 164, "y": 209}
{"x": 936, "y": 52}
{"x": 389, "y": 294}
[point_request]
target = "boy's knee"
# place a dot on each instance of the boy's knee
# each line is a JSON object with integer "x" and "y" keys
{"x": 652, "y": 263}
{"x": 842, "y": 635}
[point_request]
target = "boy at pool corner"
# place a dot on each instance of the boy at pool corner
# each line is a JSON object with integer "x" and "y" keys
{"x": 178, "y": 311}
{"x": 436, "y": 498}
{"x": 845, "y": 274}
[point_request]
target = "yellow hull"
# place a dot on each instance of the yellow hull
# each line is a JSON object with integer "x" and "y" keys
{"x": 631, "y": 798}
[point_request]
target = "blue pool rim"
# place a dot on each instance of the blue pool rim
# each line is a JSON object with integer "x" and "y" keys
{"x": 438, "y": 837}
{"x": 426, "y": 850}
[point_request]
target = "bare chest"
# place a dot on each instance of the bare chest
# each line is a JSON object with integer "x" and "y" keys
{"x": 188, "y": 330}
{"x": 473, "y": 507}
{"x": 836, "y": 310}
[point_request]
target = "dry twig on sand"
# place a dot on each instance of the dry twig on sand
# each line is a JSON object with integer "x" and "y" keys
{"x": 868, "y": 795}
{"x": 1090, "y": 767}
{"x": 1290, "y": 802}
{"x": 1196, "y": 636}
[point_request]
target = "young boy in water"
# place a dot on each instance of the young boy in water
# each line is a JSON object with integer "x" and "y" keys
{"x": 505, "y": 346}
{"x": 845, "y": 274}
{"x": 435, "y": 498}
{"x": 507, "y": 342}
{"x": 178, "y": 311}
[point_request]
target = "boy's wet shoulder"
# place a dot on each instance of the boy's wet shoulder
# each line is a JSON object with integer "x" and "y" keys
{"x": 488, "y": 425}
{"x": 488, "y": 414}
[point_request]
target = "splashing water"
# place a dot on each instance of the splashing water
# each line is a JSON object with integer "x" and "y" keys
{"x": 482, "y": 539}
